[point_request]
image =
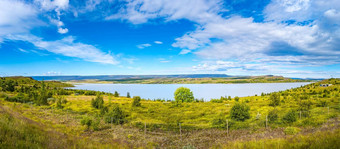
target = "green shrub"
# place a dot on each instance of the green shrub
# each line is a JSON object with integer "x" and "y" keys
{"x": 289, "y": 117}
{"x": 274, "y": 99}
{"x": 240, "y": 112}
{"x": 136, "y": 101}
{"x": 115, "y": 116}
{"x": 98, "y": 102}
{"x": 273, "y": 116}
{"x": 236, "y": 98}
{"x": 219, "y": 122}
{"x": 86, "y": 121}
{"x": 292, "y": 130}
{"x": 116, "y": 94}
{"x": 216, "y": 100}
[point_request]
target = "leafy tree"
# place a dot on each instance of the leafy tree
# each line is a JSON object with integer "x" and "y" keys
{"x": 274, "y": 99}
{"x": 116, "y": 94}
{"x": 240, "y": 112}
{"x": 116, "y": 116}
{"x": 183, "y": 94}
{"x": 289, "y": 117}
{"x": 237, "y": 98}
{"x": 273, "y": 115}
{"x": 136, "y": 101}
{"x": 128, "y": 95}
{"x": 98, "y": 103}
{"x": 42, "y": 98}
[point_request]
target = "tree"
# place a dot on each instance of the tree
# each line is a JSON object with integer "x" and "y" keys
{"x": 116, "y": 94}
{"x": 274, "y": 99}
{"x": 237, "y": 98}
{"x": 240, "y": 112}
{"x": 115, "y": 116}
{"x": 183, "y": 94}
{"x": 289, "y": 117}
{"x": 98, "y": 103}
{"x": 273, "y": 115}
{"x": 136, "y": 101}
{"x": 42, "y": 98}
{"x": 128, "y": 95}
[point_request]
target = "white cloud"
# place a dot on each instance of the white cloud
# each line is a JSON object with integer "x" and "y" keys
{"x": 184, "y": 51}
{"x": 158, "y": 42}
{"x": 68, "y": 47}
{"x": 22, "y": 50}
{"x": 62, "y": 30}
{"x": 17, "y": 17}
{"x": 140, "y": 11}
{"x": 142, "y": 46}
{"x": 52, "y": 73}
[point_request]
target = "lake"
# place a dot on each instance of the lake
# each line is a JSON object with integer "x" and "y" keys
{"x": 206, "y": 91}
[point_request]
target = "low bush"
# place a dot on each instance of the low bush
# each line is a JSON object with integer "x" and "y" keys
{"x": 292, "y": 130}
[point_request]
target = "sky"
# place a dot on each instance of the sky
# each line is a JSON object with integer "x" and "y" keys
{"x": 291, "y": 38}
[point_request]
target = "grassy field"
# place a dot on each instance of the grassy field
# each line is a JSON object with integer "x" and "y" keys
{"x": 160, "y": 124}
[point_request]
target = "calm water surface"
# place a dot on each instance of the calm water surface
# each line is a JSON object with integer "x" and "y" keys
{"x": 206, "y": 91}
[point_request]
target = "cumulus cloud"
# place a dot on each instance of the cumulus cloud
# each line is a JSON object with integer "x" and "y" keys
{"x": 141, "y": 11}
{"x": 62, "y": 30}
{"x": 158, "y": 42}
{"x": 69, "y": 47}
{"x": 17, "y": 17}
{"x": 142, "y": 46}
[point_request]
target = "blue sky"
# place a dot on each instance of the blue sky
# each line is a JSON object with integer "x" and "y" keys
{"x": 292, "y": 38}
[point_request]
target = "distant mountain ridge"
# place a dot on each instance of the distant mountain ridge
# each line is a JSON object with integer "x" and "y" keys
{"x": 118, "y": 77}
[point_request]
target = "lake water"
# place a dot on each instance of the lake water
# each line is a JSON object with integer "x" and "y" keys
{"x": 206, "y": 91}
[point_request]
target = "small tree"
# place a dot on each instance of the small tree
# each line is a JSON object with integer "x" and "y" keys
{"x": 237, "y": 98}
{"x": 98, "y": 103}
{"x": 128, "y": 95}
{"x": 116, "y": 94}
{"x": 116, "y": 116}
{"x": 86, "y": 121}
{"x": 183, "y": 94}
{"x": 272, "y": 115}
{"x": 136, "y": 101}
{"x": 289, "y": 117}
{"x": 274, "y": 99}
{"x": 240, "y": 112}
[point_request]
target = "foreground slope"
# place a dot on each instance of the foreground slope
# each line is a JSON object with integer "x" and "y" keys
{"x": 24, "y": 118}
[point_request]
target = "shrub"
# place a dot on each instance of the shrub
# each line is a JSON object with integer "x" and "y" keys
{"x": 240, "y": 112}
{"x": 59, "y": 105}
{"x": 289, "y": 117}
{"x": 136, "y": 101}
{"x": 116, "y": 116}
{"x": 128, "y": 95}
{"x": 291, "y": 130}
{"x": 274, "y": 99}
{"x": 86, "y": 121}
{"x": 183, "y": 94}
{"x": 273, "y": 115}
{"x": 116, "y": 94}
{"x": 98, "y": 103}
{"x": 237, "y": 98}
{"x": 216, "y": 100}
